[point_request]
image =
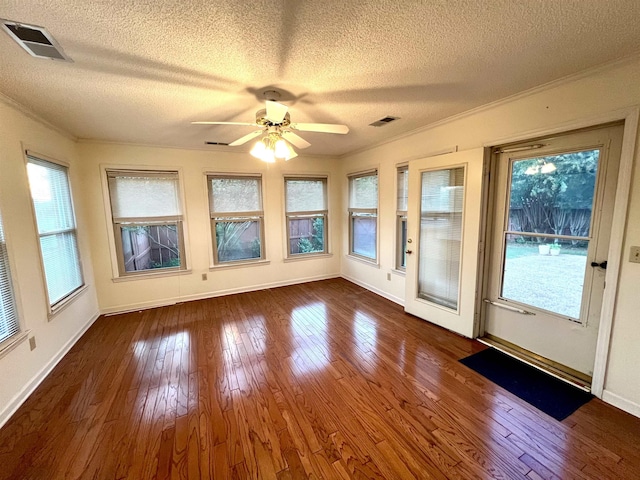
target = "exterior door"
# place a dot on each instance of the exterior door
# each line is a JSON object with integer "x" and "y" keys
{"x": 553, "y": 207}
{"x": 443, "y": 224}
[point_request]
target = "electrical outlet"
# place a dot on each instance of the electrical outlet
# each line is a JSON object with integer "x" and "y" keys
{"x": 389, "y": 276}
{"x": 32, "y": 343}
{"x": 204, "y": 277}
{"x": 634, "y": 255}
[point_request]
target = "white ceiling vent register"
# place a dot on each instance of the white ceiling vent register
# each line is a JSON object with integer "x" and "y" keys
{"x": 35, "y": 40}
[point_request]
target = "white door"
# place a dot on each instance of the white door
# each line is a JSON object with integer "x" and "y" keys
{"x": 443, "y": 224}
{"x": 552, "y": 214}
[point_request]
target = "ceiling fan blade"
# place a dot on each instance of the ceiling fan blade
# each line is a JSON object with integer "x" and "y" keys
{"x": 276, "y": 111}
{"x": 295, "y": 139}
{"x": 245, "y": 124}
{"x": 320, "y": 127}
{"x": 246, "y": 138}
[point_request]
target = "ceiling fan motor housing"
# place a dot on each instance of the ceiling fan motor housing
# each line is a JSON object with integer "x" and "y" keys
{"x": 263, "y": 121}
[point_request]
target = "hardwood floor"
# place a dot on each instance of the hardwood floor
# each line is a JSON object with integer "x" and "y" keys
{"x": 321, "y": 380}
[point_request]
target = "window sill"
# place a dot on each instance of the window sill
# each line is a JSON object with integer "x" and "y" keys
{"x": 371, "y": 263}
{"x": 307, "y": 256}
{"x": 226, "y": 266}
{"x": 66, "y": 302}
{"x": 401, "y": 273}
{"x": 143, "y": 276}
{"x": 12, "y": 342}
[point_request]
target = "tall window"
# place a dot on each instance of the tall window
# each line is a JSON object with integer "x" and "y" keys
{"x": 442, "y": 199}
{"x": 51, "y": 195}
{"x": 237, "y": 219}
{"x": 147, "y": 220}
{"x": 306, "y": 212}
{"x": 363, "y": 215}
{"x": 401, "y": 217}
{"x": 9, "y": 324}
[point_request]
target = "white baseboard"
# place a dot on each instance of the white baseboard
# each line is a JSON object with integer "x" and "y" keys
{"x": 202, "y": 296}
{"x": 30, "y": 387}
{"x": 622, "y": 403}
{"x": 382, "y": 293}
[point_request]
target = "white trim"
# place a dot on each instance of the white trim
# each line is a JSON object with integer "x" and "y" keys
{"x": 614, "y": 258}
{"x": 622, "y": 403}
{"x": 134, "y": 307}
{"x": 12, "y": 342}
{"x": 362, "y": 259}
{"x": 18, "y": 399}
{"x": 168, "y": 272}
{"x": 238, "y": 264}
{"x": 299, "y": 257}
{"x": 377, "y": 291}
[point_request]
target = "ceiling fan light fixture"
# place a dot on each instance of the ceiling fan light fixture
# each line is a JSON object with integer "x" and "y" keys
{"x": 271, "y": 147}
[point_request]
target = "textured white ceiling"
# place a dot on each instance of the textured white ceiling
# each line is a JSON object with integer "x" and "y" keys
{"x": 144, "y": 69}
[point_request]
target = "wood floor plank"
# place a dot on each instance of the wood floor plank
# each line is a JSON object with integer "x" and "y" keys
{"x": 322, "y": 380}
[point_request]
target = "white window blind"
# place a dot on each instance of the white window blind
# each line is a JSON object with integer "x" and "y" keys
{"x": 306, "y": 213}
{"x": 9, "y": 324}
{"x": 442, "y": 195}
{"x": 148, "y": 195}
{"x": 147, "y": 220}
{"x": 51, "y": 195}
{"x": 363, "y": 215}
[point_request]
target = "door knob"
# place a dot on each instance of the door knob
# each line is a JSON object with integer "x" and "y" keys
{"x": 602, "y": 265}
{"x": 408, "y": 252}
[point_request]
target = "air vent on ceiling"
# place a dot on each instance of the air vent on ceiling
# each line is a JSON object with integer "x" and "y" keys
{"x": 383, "y": 121}
{"x": 35, "y": 40}
{"x": 217, "y": 143}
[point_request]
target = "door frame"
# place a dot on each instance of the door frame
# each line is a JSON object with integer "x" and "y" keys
{"x": 630, "y": 116}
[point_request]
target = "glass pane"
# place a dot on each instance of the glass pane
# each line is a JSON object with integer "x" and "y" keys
{"x": 230, "y": 195}
{"x": 238, "y": 240}
{"x": 149, "y": 247}
{"x": 553, "y": 194}
{"x": 363, "y": 228}
{"x": 364, "y": 192}
{"x": 51, "y": 196}
{"x": 137, "y": 196}
{"x": 403, "y": 189}
{"x": 61, "y": 265}
{"x": 305, "y": 195}
{"x": 544, "y": 273}
{"x": 306, "y": 235}
{"x": 442, "y": 198}
{"x": 402, "y": 243}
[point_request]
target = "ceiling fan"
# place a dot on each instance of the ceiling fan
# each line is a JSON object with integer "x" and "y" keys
{"x": 274, "y": 124}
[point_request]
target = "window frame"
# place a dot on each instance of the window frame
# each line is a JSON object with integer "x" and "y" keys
{"x": 365, "y": 213}
{"x": 19, "y": 333}
{"x": 300, "y": 214}
{"x": 231, "y": 217}
{"x": 56, "y": 306}
{"x": 118, "y": 223}
{"x": 401, "y": 219}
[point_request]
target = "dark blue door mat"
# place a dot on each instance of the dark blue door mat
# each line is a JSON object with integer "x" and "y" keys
{"x": 554, "y": 397}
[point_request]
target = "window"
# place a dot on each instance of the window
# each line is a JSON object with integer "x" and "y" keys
{"x": 9, "y": 325}
{"x": 401, "y": 218}
{"x": 147, "y": 221}
{"x": 306, "y": 212}
{"x": 51, "y": 195}
{"x": 235, "y": 206}
{"x": 441, "y": 212}
{"x": 363, "y": 215}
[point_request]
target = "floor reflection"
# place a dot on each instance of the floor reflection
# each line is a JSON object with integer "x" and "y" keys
{"x": 309, "y": 335}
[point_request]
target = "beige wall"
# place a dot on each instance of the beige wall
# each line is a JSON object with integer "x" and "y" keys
{"x": 22, "y": 369}
{"x": 586, "y": 97}
{"x": 192, "y": 165}
{"x": 581, "y": 99}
